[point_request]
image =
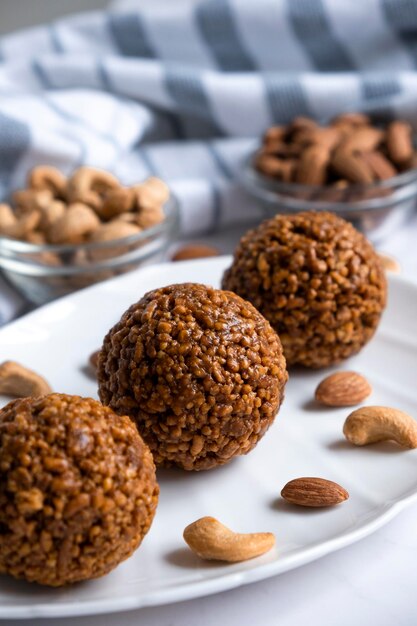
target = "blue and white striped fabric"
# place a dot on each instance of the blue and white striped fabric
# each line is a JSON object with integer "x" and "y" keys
{"x": 182, "y": 89}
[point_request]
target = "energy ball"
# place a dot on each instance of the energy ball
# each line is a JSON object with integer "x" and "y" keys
{"x": 77, "y": 489}
{"x": 199, "y": 370}
{"x": 316, "y": 279}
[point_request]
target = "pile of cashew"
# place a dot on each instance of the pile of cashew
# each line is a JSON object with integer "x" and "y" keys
{"x": 90, "y": 206}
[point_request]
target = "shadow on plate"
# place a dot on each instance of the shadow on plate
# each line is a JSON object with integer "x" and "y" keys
{"x": 177, "y": 475}
{"x": 184, "y": 558}
{"x": 88, "y": 371}
{"x": 313, "y": 407}
{"x": 383, "y": 447}
{"x": 282, "y": 506}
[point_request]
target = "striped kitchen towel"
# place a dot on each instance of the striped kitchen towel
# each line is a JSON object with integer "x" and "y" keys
{"x": 181, "y": 89}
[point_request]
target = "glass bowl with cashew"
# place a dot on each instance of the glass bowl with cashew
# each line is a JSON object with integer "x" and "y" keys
{"x": 363, "y": 171}
{"x": 62, "y": 234}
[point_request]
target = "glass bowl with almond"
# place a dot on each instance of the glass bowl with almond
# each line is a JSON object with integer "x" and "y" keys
{"x": 363, "y": 171}
{"x": 60, "y": 233}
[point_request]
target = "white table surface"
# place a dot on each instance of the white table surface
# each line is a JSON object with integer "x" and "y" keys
{"x": 371, "y": 582}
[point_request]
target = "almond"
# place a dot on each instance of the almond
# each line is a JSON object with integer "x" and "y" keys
{"x": 314, "y": 492}
{"x": 326, "y": 137}
{"x": 275, "y": 133}
{"x": 301, "y": 123}
{"x": 353, "y": 119}
{"x": 93, "y": 360}
{"x": 351, "y": 166}
{"x": 269, "y": 164}
{"x": 399, "y": 143}
{"x": 362, "y": 140}
{"x": 343, "y": 389}
{"x": 380, "y": 166}
{"x": 281, "y": 149}
{"x": 272, "y": 165}
{"x": 194, "y": 251}
{"x": 312, "y": 166}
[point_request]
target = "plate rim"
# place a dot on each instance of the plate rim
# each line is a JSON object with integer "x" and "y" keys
{"x": 226, "y": 581}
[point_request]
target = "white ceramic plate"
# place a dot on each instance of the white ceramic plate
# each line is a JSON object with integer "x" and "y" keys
{"x": 57, "y": 340}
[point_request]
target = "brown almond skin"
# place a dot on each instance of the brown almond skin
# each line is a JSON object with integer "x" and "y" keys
{"x": 363, "y": 139}
{"x": 352, "y": 167}
{"x": 314, "y": 492}
{"x": 399, "y": 142}
{"x": 379, "y": 164}
{"x": 312, "y": 166}
{"x": 194, "y": 251}
{"x": 343, "y": 389}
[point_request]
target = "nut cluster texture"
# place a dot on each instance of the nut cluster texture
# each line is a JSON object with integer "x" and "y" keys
{"x": 199, "y": 370}
{"x": 316, "y": 279}
{"x": 77, "y": 489}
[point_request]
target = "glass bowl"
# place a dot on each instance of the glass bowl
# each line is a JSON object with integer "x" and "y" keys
{"x": 375, "y": 209}
{"x": 45, "y": 272}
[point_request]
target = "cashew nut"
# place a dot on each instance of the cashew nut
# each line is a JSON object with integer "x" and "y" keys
{"x": 209, "y": 539}
{"x": 153, "y": 192}
{"x": 20, "y": 382}
{"x": 77, "y": 222}
{"x": 371, "y": 424}
{"x": 51, "y": 213}
{"x": 116, "y": 229}
{"x": 116, "y": 202}
{"x": 27, "y": 200}
{"x": 36, "y": 237}
{"x": 48, "y": 177}
{"x": 22, "y": 226}
{"x": 150, "y": 216}
{"x": 129, "y": 218}
{"x": 89, "y": 185}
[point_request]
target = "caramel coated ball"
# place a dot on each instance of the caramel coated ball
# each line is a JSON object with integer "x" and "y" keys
{"x": 77, "y": 489}
{"x": 316, "y": 279}
{"x": 199, "y": 370}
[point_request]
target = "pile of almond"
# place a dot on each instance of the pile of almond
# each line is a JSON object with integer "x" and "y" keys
{"x": 349, "y": 151}
{"x": 89, "y": 206}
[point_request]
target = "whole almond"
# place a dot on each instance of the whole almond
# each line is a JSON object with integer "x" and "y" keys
{"x": 195, "y": 251}
{"x": 363, "y": 139}
{"x": 379, "y": 164}
{"x": 325, "y": 137}
{"x": 343, "y": 389}
{"x": 314, "y": 492}
{"x": 312, "y": 166}
{"x": 399, "y": 143}
{"x": 268, "y": 164}
{"x": 93, "y": 360}
{"x": 351, "y": 166}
